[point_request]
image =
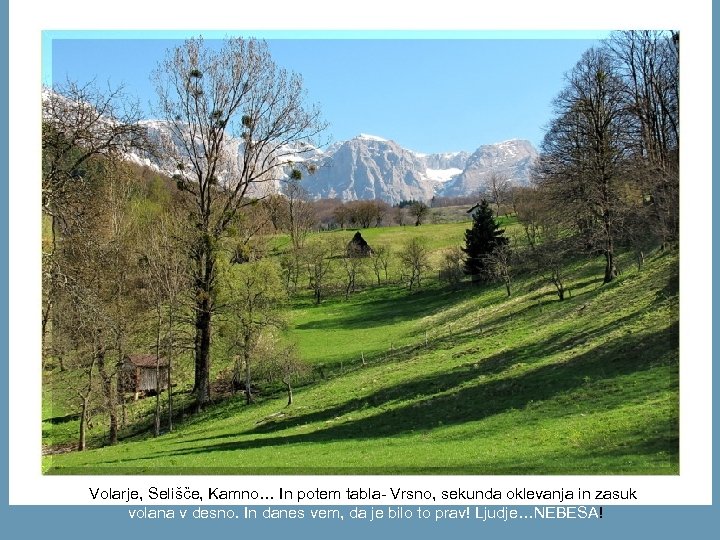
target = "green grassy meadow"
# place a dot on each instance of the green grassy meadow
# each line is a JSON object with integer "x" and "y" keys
{"x": 446, "y": 381}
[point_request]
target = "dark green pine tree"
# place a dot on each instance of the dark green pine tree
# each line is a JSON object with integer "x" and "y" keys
{"x": 481, "y": 241}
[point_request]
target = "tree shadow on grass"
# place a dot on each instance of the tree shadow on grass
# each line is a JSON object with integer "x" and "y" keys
{"x": 485, "y": 324}
{"x": 56, "y": 420}
{"x": 462, "y": 402}
{"x": 381, "y": 312}
{"x": 559, "y": 341}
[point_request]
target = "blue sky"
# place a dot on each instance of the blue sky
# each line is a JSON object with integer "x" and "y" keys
{"x": 429, "y": 95}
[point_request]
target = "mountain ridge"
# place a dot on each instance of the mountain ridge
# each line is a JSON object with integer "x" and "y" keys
{"x": 363, "y": 167}
{"x": 373, "y": 167}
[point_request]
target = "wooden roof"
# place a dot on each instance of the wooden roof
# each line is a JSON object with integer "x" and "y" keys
{"x": 145, "y": 360}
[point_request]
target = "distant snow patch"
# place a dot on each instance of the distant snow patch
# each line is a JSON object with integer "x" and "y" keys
{"x": 442, "y": 175}
{"x": 368, "y": 137}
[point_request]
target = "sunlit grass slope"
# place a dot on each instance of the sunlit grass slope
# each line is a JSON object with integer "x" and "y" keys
{"x": 454, "y": 382}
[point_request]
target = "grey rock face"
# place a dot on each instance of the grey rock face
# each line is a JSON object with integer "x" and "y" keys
{"x": 512, "y": 160}
{"x": 370, "y": 168}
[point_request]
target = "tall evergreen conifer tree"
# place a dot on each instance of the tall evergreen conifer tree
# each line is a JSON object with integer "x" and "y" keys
{"x": 480, "y": 241}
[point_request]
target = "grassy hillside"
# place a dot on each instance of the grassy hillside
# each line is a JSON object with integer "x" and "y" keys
{"x": 454, "y": 381}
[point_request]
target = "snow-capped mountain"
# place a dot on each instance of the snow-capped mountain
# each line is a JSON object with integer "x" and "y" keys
{"x": 511, "y": 160}
{"x": 448, "y": 160}
{"x": 371, "y": 167}
{"x": 170, "y": 145}
{"x": 365, "y": 167}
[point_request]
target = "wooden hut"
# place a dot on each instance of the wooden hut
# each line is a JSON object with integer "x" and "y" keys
{"x": 139, "y": 374}
{"x": 358, "y": 247}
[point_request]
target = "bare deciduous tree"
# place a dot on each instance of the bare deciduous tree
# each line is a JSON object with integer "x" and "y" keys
{"x": 531, "y": 209}
{"x": 353, "y": 264}
{"x": 499, "y": 266}
{"x": 79, "y": 124}
{"x": 318, "y": 258}
{"x": 341, "y": 215}
{"x": 400, "y": 215}
{"x": 584, "y": 153}
{"x": 251, "y": 300}
{"x": 497, "y": 186}
{"x": 166, "y": 279}
{"x": 415, "y": 260}
{"x": 380, "y": 260}
{"x": 649, "y": 63}
{"x": 300, "y": 213}
{"x": 95, "y": 292}
{"x": 418, "y": 210}
{"x": 553, "y": 255}
{"x": 206, "y": 95}
{"x": 281, "y": 363}
{"x": 451, "y": 269}
{"x": 365, "y": 214}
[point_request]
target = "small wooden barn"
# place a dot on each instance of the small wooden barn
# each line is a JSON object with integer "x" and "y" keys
{"x": 139, "y": 374}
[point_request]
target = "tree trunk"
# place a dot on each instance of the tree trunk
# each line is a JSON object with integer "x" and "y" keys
{"x": 45, "y": 318}
{"x": 171, "y": 337}
{"x": 84, "y": 412}
{"x": 201, "y": 390}
{"x": 246, "y": 356}
{"x": 157, "y": 399}
{"x": 83, "y": 417}
{"x": 289, "y": 392}
{"x": 50, "y": 293}
{"x": 640, "y": 255}
{"x": 559, "y": 286}
{"x": 205, "y": 260}
{"x": 610, "y": 268}
{"x": 123, "y": 412}
{"x": 170, "y": 401}
{"x": 157, "y": 372}
{"x": 110, "y": 399}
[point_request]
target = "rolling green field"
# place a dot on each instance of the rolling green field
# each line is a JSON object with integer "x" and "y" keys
{"x": 445, "y": 381}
